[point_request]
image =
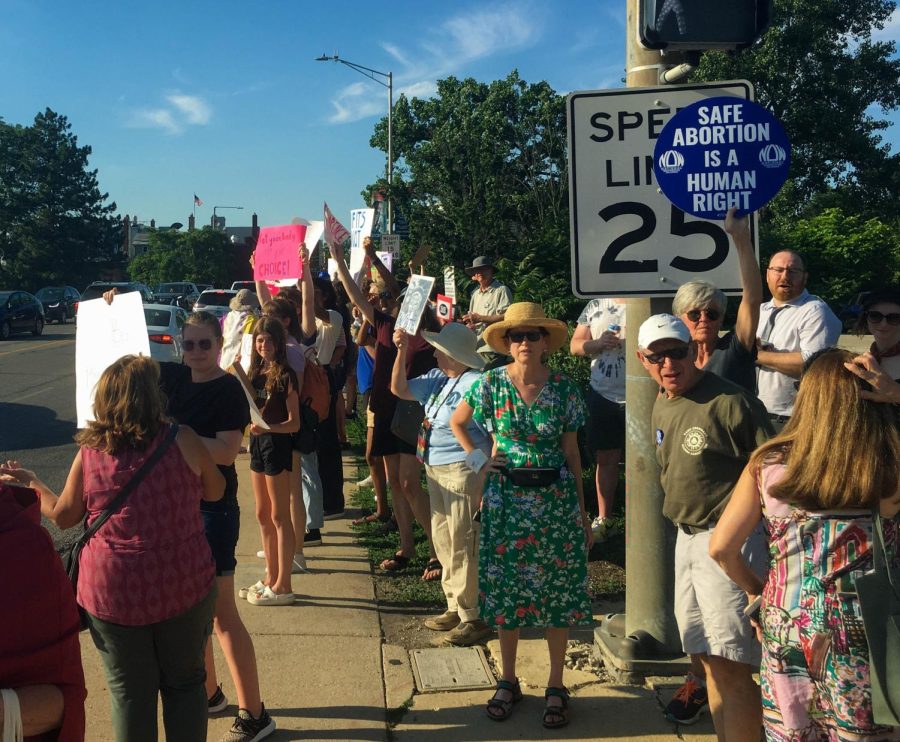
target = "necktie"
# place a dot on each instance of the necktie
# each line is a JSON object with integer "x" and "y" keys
{"x": 770, "y": 324}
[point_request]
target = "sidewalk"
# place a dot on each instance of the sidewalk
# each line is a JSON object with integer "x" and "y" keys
{"x": 326, "y": 674}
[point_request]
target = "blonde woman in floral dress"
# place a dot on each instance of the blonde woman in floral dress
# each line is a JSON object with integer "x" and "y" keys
{"x": 535, "y": 531}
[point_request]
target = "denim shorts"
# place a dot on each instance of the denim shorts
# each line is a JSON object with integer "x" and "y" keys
{"x": 222, "y": 528}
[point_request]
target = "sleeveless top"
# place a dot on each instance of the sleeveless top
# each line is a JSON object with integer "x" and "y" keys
{"x": 150, "y": 561}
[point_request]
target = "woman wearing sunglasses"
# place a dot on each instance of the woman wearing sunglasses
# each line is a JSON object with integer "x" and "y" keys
{"x": 701, "y": 306}
{"x": 532, "y": 567}
{"x": 881, "y": 318}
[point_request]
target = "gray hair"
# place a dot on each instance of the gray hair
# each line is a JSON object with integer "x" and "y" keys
{"x": 698, "y": 295}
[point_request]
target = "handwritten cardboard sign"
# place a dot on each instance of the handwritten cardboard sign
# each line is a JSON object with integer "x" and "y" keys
{"x": 335, "y": 232}
{"x": 276, "y": 253}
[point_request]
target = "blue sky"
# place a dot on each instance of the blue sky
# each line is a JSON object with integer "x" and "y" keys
{"x": 224, "y": 99}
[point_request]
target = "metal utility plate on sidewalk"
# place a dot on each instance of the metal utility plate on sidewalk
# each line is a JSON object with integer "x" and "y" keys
{"x": 456, "y": 668}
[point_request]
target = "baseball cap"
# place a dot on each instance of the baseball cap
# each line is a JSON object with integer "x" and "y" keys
{"x": 662, "y": 327}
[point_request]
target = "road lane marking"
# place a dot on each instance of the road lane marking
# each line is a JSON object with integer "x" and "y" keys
{"x": 49, "y": 344}
{"x": 33, "y": 394}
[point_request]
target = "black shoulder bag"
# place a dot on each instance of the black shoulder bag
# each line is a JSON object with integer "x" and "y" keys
{"x": 71, "y": 557}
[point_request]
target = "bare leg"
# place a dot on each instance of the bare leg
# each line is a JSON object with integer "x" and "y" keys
{"x": 607, "y": 479}
{"x": 402, "y": 511}
{"x": 411, "y": 482}
{"x": 279, "y": 488}
{"x": 734, "y": 699}
{"x": 378, "y": 472}
{"x": 266, "y": 528}
{"x": 509, "y": 645}
{"x": 557, "y": 639}
{"x": 41, "y": 706}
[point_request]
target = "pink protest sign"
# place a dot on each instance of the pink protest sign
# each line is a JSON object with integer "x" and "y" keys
{"x": 276, "y": 252}
{"x": 335, "y": 232}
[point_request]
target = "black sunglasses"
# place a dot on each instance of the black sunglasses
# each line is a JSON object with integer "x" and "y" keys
{"x": 711, "y": 314}
{"x": 204, "y": 344}
{"x": 877, "y": 317}
{"x": 532, "y": 336}
{"x": 676, "y": 354}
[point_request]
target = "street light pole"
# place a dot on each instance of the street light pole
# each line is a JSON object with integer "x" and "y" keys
{"x": 213, "y": 225}
{"x": 389, "y": 77}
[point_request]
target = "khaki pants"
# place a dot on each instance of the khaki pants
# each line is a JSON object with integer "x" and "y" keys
{"x": 455, "y": 494}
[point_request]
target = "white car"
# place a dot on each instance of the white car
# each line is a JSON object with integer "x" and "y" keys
{"x": 215, "y": 301}
{"x": 164, "y": 323}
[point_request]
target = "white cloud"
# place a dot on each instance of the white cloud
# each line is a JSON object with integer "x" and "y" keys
{"x": 454, "y": 43}
{"x": 182, "y": 111}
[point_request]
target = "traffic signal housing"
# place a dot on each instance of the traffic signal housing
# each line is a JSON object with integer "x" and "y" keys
{"x": 702, "y": 24}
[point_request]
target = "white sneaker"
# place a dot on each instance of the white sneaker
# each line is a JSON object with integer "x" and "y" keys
{"x": 299, "y": 566}
{"x": 267, "y": 597}
{"x": 261, "y": 554}
{"x": 367, "y": 482}
{"x": 244, "y": 592}
{"x": 602, "y": 528}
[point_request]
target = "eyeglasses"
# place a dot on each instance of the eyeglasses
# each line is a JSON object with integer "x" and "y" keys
{"x": 532, "y": 336}
{"x": 877, "y": 317}
{"x": 204, "y": 344}
{"x": 711, "y": 314}
{"x": 676, "y": 354}
{"x": 789, "y": 271}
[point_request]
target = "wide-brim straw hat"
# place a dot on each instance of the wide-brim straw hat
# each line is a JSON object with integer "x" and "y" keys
{"x": 526, "y": 314}
{"x": 458, "y": 342}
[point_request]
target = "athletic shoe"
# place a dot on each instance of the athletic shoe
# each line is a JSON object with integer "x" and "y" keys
{"x": 217, "y": 702}
{"x": 267, "y": 597}
{"x": 367, "y": 482}
{"x": 255, "y": 588}
{"x": 602, "y": 528}
{"x": 247, "y": 729}
{"x": 446, "y": 621}
{"x": 469, "y": 633}
{"x": 299, "y": 567}
{"x": 686, "y": 706}
{"x": 313, "y": 537}
{"x": 334, "y": 515}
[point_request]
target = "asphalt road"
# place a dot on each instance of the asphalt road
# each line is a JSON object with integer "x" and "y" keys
{"x": 37, "y": 406}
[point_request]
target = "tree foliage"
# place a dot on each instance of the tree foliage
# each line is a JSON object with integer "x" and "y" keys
{"x": 820, "y": 72}
{"x": 55, "y": 224}
{"x": 201, "y": 256}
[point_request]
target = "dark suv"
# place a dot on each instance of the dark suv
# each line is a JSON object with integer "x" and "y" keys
{"x": 98, "y": 288}
{"x": 182, "y": 293}
{"x": 59, "y": 302}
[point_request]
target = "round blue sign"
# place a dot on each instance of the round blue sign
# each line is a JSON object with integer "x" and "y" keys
{"x": 721, "y": 152}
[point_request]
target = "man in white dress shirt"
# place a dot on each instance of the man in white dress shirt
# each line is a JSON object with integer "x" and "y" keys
{"x": 792, "y": 326}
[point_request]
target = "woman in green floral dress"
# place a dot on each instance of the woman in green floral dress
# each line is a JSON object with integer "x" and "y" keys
{"x": 535, "y": 532}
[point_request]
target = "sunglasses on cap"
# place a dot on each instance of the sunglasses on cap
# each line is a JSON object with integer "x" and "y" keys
{"x": 676, "y": 354}
{"x": 878, "y": 317}
{"x": 711, "y": 314}
{"x": 532, "y": 336}
{"x": 204, "y": 344}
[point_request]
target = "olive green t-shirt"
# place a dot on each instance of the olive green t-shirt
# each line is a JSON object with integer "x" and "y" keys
{"x": 703, "y": 441}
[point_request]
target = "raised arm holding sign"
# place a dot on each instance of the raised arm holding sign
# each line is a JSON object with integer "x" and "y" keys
{"x": 275, "y": 256}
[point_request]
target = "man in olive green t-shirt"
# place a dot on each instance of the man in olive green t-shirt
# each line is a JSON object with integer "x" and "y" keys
{"x": 705, "y": 429}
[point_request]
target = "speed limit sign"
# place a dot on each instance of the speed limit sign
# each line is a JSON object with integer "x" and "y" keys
{"x": 627, "y": 238}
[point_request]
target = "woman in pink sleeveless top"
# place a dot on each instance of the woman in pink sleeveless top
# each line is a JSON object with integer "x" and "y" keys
{"x": 147, "y": 577}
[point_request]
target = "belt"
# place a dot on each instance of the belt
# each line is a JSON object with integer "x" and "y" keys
{"x": 779, "y": 418}
{"x": 694, "y": 530}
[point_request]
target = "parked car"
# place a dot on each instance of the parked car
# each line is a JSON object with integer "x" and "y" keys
{"x": 201, "y": 287}
{"x": 238, "y": 285}
{"x": 98, "y": 288}
{"x": 20, "y": 312}
{"x": 182, "y": 293}
{"x": 164, "y": 323}
{"x": 215, "y": 301}
{"x": 59, "y": 302}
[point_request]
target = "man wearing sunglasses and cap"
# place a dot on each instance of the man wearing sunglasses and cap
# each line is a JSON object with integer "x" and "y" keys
{"x": 487, "y": 305}
{"x": 705, "y": 429}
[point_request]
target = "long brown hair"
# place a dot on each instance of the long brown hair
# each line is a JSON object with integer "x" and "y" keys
{"x": 840, "y": 450}
{"x": 276, "y": 376}
{"x": 129, "y": 407}
{"x": 284, "y": 310}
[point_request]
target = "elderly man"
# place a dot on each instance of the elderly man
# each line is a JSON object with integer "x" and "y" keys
{"x": 705, "y": 430}
{"x": 792, "y": 326}
{"x": 487, "y": 305}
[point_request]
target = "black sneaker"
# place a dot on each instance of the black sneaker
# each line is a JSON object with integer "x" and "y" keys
{"x": 217, "y": 702}
{"x": 247, "y": 729}
{"x": 313, "y": 537}
{"x": 686, "y": 706}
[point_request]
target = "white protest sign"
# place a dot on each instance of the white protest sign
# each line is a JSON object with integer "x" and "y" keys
{"x": 361, "y": 222}
{"x": 246, "y": 350}
{"x": 450, "y": 282}
{"x": 314, "y": 232}
{"x": 388, "y": 260}
{"x": 357, "y": 263}
{"x": 335, "y": 232}
{"x": 627, "y": 238}
{"x": 105, "y": 333}
{"x": 255, "y": 415}
{"x": 444, "y": 308}
{"x": 414, "y": 302}
{"x": 332, "y": 268}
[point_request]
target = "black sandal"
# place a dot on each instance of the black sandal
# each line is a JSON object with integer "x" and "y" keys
{"x": 503, "y": 708}
{"x": 556, "y": 716}
{"x": 434, "y": 565}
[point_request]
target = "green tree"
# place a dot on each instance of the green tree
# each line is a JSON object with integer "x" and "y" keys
{"x": 819, "y": 70}
{"x": 201, "y": 256}
{"x": 55, "y": 224}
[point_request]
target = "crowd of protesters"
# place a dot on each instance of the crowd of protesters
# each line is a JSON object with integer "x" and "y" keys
{"x": 744, "y": 426}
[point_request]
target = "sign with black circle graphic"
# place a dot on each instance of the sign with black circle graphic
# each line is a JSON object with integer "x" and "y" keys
{"x": 720, "y": 153}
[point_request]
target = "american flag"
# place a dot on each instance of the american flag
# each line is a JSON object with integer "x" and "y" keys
{"x": 197, "y": 201}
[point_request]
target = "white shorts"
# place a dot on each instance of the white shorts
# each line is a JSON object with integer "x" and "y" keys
{"x": 709, "y": 607}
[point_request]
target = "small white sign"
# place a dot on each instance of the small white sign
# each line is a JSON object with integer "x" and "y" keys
{"x": 414, "y": 302}
{"x": 450, "y": 282}
{"x": 104, "y": 334}
{"x": 391, "y": 243}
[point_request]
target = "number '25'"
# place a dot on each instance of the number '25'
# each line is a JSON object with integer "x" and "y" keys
{"x": 678, "y": 227}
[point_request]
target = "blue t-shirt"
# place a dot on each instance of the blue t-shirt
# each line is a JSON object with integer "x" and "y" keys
{"x": 440, "y": 395}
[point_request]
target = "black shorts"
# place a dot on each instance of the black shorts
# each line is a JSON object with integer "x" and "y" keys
{"x": 270, "y": 453}
{"x": 606, "y": 427}
{"x": 222, "y": 528}
{"x": 384, "y": 442}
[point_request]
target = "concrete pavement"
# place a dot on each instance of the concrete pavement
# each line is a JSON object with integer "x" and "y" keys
{"x": 326, "y": 674}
